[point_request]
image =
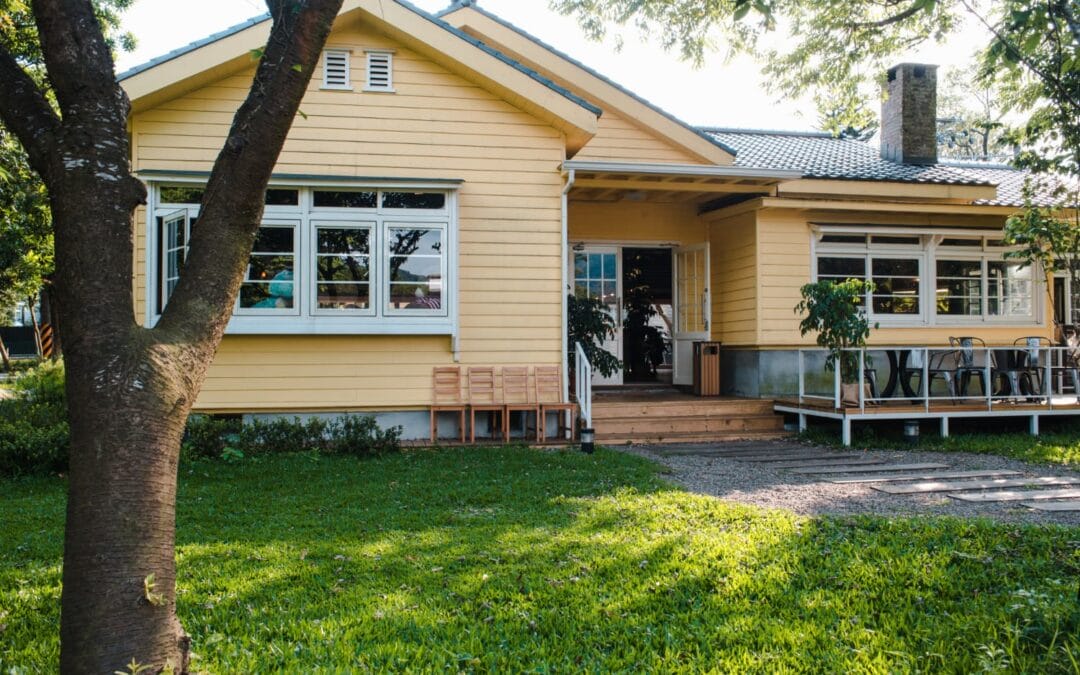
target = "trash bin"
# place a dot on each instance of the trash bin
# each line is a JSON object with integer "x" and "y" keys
{"x": 707, "y": 368}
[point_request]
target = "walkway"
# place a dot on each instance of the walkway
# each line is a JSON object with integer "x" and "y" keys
{"x": 816, "y": 480}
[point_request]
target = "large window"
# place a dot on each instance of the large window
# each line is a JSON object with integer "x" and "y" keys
{"x": 329, "y": 259}
{"x": 942, "y": 280}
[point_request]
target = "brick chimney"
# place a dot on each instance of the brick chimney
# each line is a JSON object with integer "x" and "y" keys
{"x": 909, "y": 114}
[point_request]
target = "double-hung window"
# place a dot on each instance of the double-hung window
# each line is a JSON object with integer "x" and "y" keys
{"x": 974, "y": 283}
{"x": 329, "y": 259}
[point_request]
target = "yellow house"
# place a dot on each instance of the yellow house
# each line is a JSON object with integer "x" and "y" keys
{"x": 452, "y": 179}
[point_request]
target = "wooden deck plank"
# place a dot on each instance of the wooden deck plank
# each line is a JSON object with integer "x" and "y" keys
{"x": 1053, "y": 506}
{"x": 826, "y": 463}
{"x": 872, "y": 469}
{"x": 940, "y": 486}
{"x": 926, "y": 476}
{"x": 1017, "y": 495}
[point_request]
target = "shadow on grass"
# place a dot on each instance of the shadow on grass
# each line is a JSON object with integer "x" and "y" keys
{"x": 507, "y": 559}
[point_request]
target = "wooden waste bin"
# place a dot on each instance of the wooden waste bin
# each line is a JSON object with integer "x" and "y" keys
{"x": 707, "y": 368}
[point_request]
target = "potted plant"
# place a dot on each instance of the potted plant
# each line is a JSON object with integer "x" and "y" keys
{"x": 590, "y": 323}
{"x": 832, "y": 311}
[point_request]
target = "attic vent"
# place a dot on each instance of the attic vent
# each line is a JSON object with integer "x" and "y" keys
{"x": 336, "y": 69}
{"x": 380, "y": 71}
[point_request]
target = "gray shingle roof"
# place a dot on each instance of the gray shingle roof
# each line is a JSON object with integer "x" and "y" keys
{"x": 820, "y": 155}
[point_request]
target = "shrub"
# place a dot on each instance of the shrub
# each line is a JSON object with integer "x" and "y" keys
{"x": 357, "y": 435}
{"x": 34, "y": 435}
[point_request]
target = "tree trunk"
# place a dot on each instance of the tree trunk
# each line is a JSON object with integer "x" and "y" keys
{"x": 37, "y": 326}
{"x": 4, "y": 356}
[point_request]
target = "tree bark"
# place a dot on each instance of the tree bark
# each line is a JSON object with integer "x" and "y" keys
{"x": 35, "y": 325}
{"x": 5, "y": 357}
{"x": 130, "y": 388}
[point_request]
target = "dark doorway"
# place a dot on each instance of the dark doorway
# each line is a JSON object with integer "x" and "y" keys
{"x": 647, "y": 314}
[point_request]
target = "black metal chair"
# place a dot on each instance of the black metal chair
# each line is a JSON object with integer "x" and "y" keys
{"x": 940, "y": 364}
{"x": 1026, "y": 373}
{"x": 971, "y": 361}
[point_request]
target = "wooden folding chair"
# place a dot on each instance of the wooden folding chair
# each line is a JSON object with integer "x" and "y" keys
{"x": 483, "y": 398}
{"x": 517, "y": 398}
{"x": 446, "y": 397}
{"x": 548, "y": 381}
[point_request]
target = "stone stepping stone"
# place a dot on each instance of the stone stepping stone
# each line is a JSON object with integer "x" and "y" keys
{"x": 850, "y": 468}
{"x": 941, "y": 486}
{"x": 1017, "y": 495}
{"x": 813, "y": 463}
{"x": 790, "y": 458}
{"x": 925, "y": 476}
{"x": 1053, "y": 506}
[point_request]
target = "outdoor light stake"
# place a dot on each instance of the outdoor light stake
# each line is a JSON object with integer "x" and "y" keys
{"x": 587, "y": 437}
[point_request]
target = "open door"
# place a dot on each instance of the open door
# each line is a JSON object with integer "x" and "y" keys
{"x": 692, "y": 308}
{"x": 598, "y": 274}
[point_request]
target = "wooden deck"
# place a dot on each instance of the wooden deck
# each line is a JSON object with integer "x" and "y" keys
{"x": 666, "y": 415}
{"x": 941, "y": 410}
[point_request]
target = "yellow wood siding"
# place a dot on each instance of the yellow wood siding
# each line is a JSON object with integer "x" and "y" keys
{"x": 635, "y": 222}
{"x": 437, "y": 125}
{"x": 619, "y": 140}
{"x": 784, "y": 263}
{"x": 733, "y": 258}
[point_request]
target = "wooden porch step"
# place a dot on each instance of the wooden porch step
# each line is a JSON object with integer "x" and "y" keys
{"x": 692, "y": 408}
{"x": 690, "y": 437}
{"x": 703, "y": 424}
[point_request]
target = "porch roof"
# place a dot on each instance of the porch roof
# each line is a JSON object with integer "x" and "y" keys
{"x": 632, "y": 181}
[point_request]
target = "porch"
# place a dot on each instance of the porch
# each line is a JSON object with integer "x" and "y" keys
{"x": 1019, "y": 381}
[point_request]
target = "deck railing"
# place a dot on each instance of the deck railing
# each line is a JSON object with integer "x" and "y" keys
{"x": 583, "y": 384}
{"x": 1007, "y": 374}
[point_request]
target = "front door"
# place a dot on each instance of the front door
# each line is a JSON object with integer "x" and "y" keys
{"x": 598, "y": 274}
{"x": 692, "y": 308}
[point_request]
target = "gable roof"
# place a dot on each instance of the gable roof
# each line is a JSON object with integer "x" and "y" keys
{"x": 470, "y": 17}
{"x": 201, "y": 62}
{"x": 821, "y": 155}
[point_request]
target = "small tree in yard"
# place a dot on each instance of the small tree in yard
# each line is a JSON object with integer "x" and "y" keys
{"x": 589, "y": 323}
{"x": 832, "y": 311}
{"x": 130, "y": 388}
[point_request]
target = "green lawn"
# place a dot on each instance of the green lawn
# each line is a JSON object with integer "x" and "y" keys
{"x": 516, "y": 560}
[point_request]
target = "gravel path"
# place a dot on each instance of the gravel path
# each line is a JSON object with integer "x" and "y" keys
{"x": 698, "y": 468}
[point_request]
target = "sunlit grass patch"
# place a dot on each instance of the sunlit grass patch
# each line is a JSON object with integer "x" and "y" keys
{"x": 515, "y": 560}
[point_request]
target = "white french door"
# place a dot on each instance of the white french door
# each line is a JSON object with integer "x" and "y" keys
{"x": 692, "y": 308}
{"x": 598, "y": 274}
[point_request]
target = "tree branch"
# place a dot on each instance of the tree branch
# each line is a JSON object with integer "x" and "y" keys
{"x": 911, "y": 11}
{"x": 232, "y": 205}
{"x": 27, "y": 114}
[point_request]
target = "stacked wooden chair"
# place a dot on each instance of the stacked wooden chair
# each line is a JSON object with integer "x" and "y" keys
{"x": 446, "y": 397}
{"x": 548, "y": 381}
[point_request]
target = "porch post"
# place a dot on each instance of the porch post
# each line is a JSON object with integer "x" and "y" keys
{"x": 564, "y": 248}
{"x": 845, "y": 430}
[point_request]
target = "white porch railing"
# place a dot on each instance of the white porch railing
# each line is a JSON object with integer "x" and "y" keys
{"x": 583, "y": 384}
{"x": 1043, "y": 375}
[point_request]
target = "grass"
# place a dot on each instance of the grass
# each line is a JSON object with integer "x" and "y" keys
{"x": 506, "y": 559}
{"x": 1060, "y": 445}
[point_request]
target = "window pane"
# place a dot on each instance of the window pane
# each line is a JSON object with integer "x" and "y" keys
{"x": 274, "y": 240}
{"x": 896, "y": 285}
{"x": 174, "y": 194}
{"x": 269, "y": 282}
{"x": 844, "y": 268}
{"x": 894, "y": 241}
{"x": 1009, "y": 289}
{"x": 844, "y": 238}
{"x": 345, "y": 199}
{"x": 343, "y": 296}
{"x": 347, "y": 241}
{"x": 415, "y": 264}
{"x": 959, "y": 288}
{"x": 970, "y": 243}
{"x": 595, "y": 268}
{"x": 413, "y": 200}
{"x": 581, "y": 265}
{"x": 344, "y": 268}
{"x": 282, "y": 197}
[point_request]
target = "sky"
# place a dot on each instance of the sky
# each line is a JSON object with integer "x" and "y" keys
{"x": 698, "y": 96}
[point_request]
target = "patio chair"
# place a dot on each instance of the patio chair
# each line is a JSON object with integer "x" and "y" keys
{"x": 1026, "y": 372}
{"x": 548, "y": 382}
{"x": 971, "y": 361}
{"x": 446, "y": 397}
{"x": 483, "y": 398}
{"x": 942, "y": 364}
{"x": 1068, "y": 359}
{"x": 516, "y": 398}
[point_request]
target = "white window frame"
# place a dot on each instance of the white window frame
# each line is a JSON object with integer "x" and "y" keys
{"x": 183, "y": 216}
{"x": 298, "y": 255}
{"x": 384, "y": 261}
{"x": 372, "y": 227}
{"x": 929, "y": 252}
{"x": 370, "y": 55}
{"x": 346, "y": 56}
{"x": 306, "y": 321}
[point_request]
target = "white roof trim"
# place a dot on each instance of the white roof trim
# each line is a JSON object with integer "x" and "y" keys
{"x": 679, "y": 170}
